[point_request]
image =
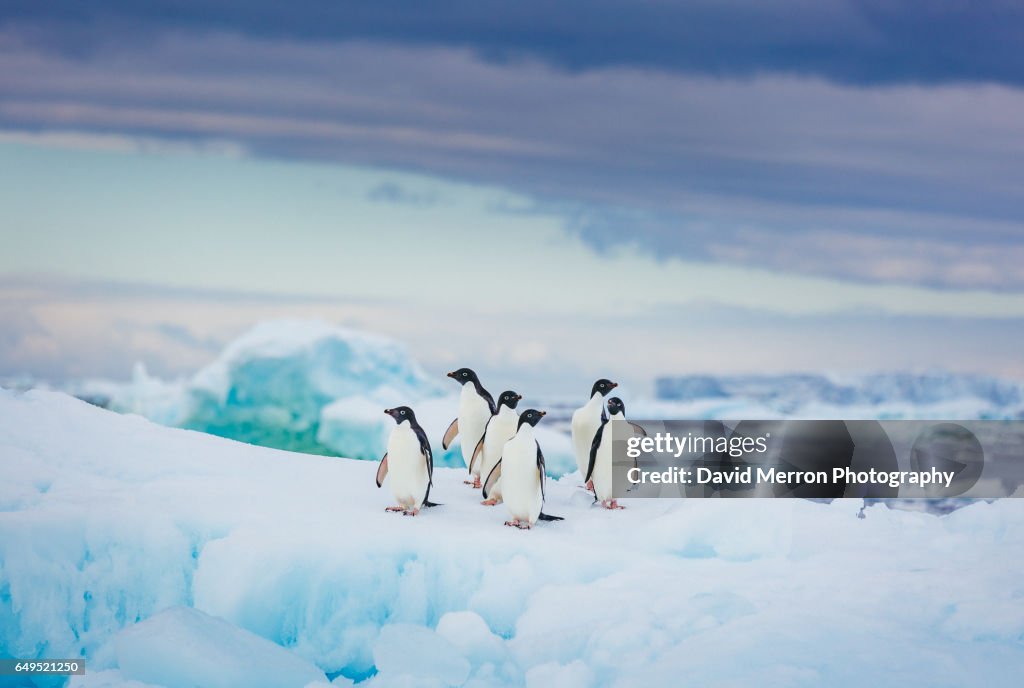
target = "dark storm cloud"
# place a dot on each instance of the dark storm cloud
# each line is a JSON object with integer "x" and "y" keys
{"x": 853, "y": 41}
{"x": 867, "y": 141}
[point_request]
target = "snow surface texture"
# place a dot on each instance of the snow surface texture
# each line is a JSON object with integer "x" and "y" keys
{"x": 110, "y": 525}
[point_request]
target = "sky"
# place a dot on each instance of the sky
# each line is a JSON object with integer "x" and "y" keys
{"x": 546, "y": 192}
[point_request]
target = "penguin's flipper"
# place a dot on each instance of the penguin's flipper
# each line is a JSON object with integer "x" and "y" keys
{"x": 450, "y": 433}
{"x": 492, "y": 478}
{"x": 638, "y": 430}
{"x": 476, "y": 454}
{"x": 593, "y": 451}
{"x": 542, "y": 472}
{"x": 382, "y": 470}
{"x": 549, "y": 517}
{"x": 425, "y": 451}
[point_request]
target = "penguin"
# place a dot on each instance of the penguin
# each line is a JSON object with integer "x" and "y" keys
{"x": 585, "y": 422}
{"x": 521, "y": 469}
{"x": 476, "y": 406}
{"x": 410, "y": 462}
{"x": 500, "y": 429}
{"x": 599, "y": 466}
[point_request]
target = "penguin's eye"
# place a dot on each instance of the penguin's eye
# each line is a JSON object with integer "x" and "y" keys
{"x": 403, "y": 413}
{"x": 465, "y": 375}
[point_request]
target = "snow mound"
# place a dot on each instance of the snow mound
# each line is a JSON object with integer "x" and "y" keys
{"x": 405, "y": 652}
{"x": 109, "y": 521}
{"x": 182, "y": 648}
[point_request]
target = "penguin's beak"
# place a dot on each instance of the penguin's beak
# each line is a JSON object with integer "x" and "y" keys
{"x": 614, "y": 385}
{"x": 387, "y": 412}
{"x": 451, "y": 374}
{"x": 542, "y": 413}
{"x": 519, "y": 397}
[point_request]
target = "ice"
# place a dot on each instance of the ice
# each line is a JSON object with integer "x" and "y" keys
{"x": 111, "y": 524}
{"x": 931, "y": 395}
{"x": 182, "y": 648}
{"x": 304, "y": 386}
{"x": 575, "y": 674}
{"x": 313, "y": 387}
{"x": 272, "y": 385}
{"x": 356, "y": 426}
{"x": 469, "y": 633}
{"x": 418, "y": 653}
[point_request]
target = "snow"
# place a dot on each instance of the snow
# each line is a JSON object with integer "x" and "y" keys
{"x": 116, "y": 533}
{"x": 418, "y": 653}
{"x": 219, "y": 654}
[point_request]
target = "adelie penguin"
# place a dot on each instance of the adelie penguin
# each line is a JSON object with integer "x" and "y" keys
{"x": 599, "y": 467}
{"x": 409, "y": 462}
{"x": 585, "y": 422}
{"x": 521, "y": 470}
{"x": 476, "y": 406}
{"x": 500, "y": 429}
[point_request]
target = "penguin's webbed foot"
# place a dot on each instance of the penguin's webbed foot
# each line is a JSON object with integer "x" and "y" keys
{"x": 514, "y": 524}
{"x": 523, "y": 525}
{"x": 410, "y": 512}
{"x": 590, "y": 485}
{"x": 489, "y": 502}
{"x": 467, "y": 482}
{"x": 395, "y": 508}
{"x": 611, "y": 504}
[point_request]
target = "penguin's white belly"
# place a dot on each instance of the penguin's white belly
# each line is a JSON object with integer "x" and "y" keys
{"x": 602, "y": 476}
{"x": 520, "y": 479}
{"x": 585, "y": 422}
{"x": 407, "y": 468}
{"x": 473, "y": 416}
{"x": 501, "y": 429}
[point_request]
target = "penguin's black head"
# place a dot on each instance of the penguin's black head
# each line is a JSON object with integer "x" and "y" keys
{"x": 603, "y": 386}
{"x": 615, "y": 405}
{"x": 531, "y": 417}
{"x": 401, "y": 413}
{"x": 509, "y": 398}
{"x": 463, "y": 375}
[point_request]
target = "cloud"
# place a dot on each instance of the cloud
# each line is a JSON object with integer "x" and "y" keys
{"x": 849, "y": 41}
{"x": 758, "y": 171}
{"x": 883, "y": 259}
{"x": 392, "y": 192}
{"x": 64, "y": 329}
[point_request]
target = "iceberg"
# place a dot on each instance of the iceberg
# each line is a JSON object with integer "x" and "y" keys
{"x": 272, "y": 385}
{"x": 898, "y": 395}
{"x": 117, "y": 534}
{"x": 303, "y": 386}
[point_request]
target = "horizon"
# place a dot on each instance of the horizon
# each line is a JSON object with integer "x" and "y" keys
{"x": 480, "y": 189}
